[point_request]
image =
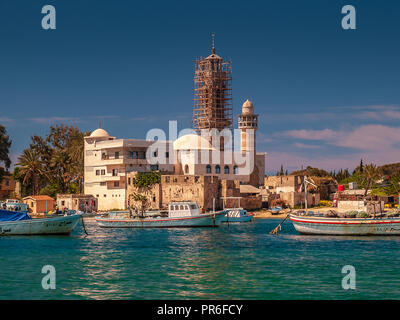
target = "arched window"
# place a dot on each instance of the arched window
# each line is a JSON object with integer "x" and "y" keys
{"x": 208, "y": 169}
{"x": 217, "y": 169}
{"x": 186, "y": 168}
{"x": 235, "y": 170}
{"x": 226, "y": 169}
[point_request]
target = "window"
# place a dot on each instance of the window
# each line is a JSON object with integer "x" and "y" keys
{"x": 217, "y": 169}
{"x": 155, "y": 154}
{"x": 97, "y": 172}
{"x": 208, "y": 169}
{"x": 105, "y": 195}
{"x": 129, "y": 181}
{"x": 167, "y": 154}
{"x": 166, "y": 179}
{"x": 176, "y": 207}
{"x": 117, "y": 155}
{"x": 186, "y": 168}
{"x": 63, "y": 203}
{"x": 186, "y": 208}
{"x": 116, "y": 183}
{"x": 181, "y": 207}
{"x": 154, "y": 198}
{"x": 235, "y": 170}
{"x": 193, "y": 206}
{"x": 226, "y": 169}
{"x": 115, "y": 172}
{"x": 154, "y": 167}
{"x": 132, "y": 155}
{"x": 103, "y": 183}
{"x": 103, "y": 172}
{"x": 7, "y": 182}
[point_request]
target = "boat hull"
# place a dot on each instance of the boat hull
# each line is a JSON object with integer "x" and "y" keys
{"x": 203, "y": 220}
{"x": 346, "y": 226}
{"x": 56, "y": 225}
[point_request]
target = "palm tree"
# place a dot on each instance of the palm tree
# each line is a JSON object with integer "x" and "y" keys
{"x": 31, "y": 168}
{"x": 371, "y": 173}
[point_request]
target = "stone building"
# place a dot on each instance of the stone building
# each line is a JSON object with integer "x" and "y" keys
{"x": 7, "y": 186}
{"x": 289, "y": 189}
{"x": 207, "y": 191}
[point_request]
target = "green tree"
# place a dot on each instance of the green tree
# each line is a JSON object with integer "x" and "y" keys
{"x": 30, "y": 169}
{"x": 143, "y": 182}
{"x": 370, "y": 174}
{"x": 5, "y": 144}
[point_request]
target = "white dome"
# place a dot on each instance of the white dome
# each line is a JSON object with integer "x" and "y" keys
{"x": 99, "y": 133}
{"x": 247, "y": 107}
{"x": 192, "y": 142}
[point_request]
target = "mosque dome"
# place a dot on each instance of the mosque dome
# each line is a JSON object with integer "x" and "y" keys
{"x": 99, "y": 133}
{"x": 248, "y": 107}
{"x": 192, "y": 142}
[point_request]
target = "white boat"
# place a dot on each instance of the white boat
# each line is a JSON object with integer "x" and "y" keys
{"x": 238, "y": 215}
{"x": 346, "y": 226}
{"x": 20, "y": 223}
{"x": 180, "y": 214}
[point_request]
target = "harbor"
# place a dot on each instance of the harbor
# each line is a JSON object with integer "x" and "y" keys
{"x": 239, "y": 261}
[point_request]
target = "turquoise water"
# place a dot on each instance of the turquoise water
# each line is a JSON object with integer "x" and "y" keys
{"x": 231, "y": 262}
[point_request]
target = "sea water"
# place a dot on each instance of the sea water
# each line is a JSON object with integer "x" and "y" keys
{"x": 236, "y": 261}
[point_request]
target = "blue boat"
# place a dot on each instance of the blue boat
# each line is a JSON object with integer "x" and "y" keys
{"x": 238, "y": 215}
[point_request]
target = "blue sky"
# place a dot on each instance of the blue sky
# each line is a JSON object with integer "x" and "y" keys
{"x": 326, "y": 96}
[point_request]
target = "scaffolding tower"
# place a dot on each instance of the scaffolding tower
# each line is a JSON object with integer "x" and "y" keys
{"x": 212, "y": 93}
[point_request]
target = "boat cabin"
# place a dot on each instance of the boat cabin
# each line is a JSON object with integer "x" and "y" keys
{"x": 183, "y": 209}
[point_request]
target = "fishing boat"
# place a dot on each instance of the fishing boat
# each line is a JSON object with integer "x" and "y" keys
{"x": 346, "y": 226}
{"x": 238, "y": 215}
{"x": 179, "y": 214}
{"x": 333, "y": 223}
{"x": 20, "y": 223}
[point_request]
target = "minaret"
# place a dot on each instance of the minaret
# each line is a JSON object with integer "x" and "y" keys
{"x": 248, "y": 124}
{"x": 212, "y": 93}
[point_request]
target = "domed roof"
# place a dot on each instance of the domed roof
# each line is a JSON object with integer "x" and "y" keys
{"x": 192, "y": 142}
{"x": 247, "y": 107}
{"x": 99, "y": 133}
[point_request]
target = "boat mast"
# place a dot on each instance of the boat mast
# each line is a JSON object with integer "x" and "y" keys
{"x": 306, "y": 183}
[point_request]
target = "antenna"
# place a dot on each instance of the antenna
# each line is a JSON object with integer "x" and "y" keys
{"x": 213, "y": 43}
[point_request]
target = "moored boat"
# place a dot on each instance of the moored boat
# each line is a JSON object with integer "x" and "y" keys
{"x": 20, "y": 223}
{"x": 346, "y": 226}
{"x": 238, "y": 215}
{"x": 180, "y": 214}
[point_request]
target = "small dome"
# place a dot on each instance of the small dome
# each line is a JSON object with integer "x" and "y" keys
{"x": 99, "y": 133}
{"x": 247, "y": 107}
{"x": 192, "y": 142}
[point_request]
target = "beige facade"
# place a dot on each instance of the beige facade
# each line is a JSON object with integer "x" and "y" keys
{"x": 108, "y": 160}
{"x": 77, "y": 202}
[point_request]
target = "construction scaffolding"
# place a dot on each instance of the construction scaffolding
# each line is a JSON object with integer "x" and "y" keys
{"x": 212, "y": 93}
